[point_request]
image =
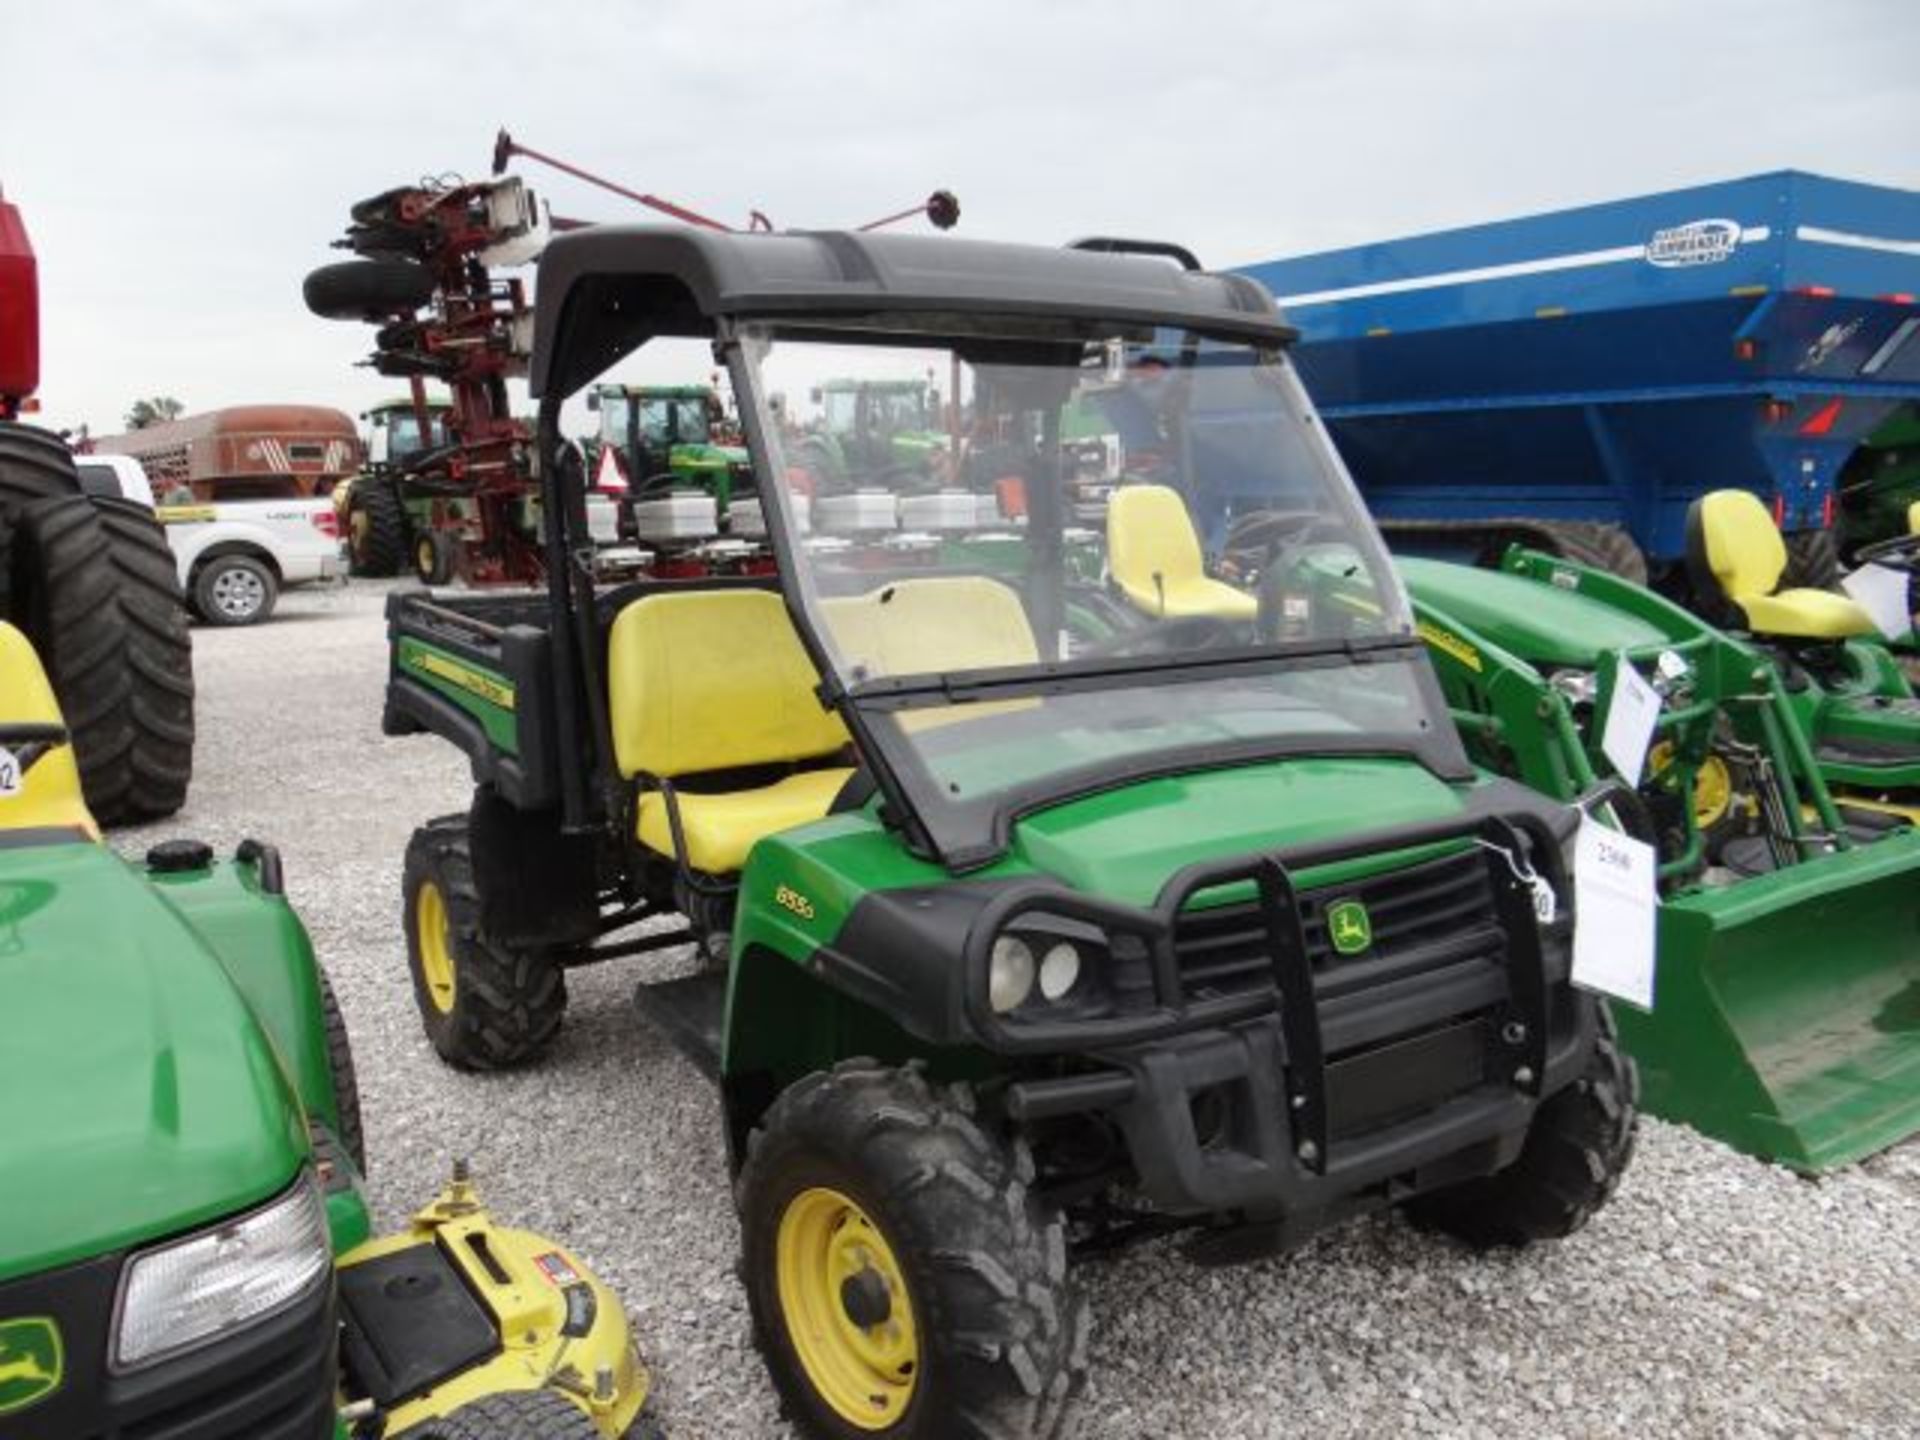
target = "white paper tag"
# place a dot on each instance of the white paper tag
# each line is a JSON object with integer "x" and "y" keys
{"x": 1884, "y": 594}
{"x": 1615, "y": 904}
{"x": 12, "y": 782}
{"x": 1632, "y": 714}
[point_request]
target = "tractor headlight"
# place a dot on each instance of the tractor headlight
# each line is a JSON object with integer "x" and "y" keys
{"x": 1010, "y": 974}
{"x": 1059, "y": 970}
{"x": 177, "y": 1295}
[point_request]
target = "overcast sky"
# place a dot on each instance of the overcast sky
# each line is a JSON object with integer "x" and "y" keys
{"x": 182, "y": 165}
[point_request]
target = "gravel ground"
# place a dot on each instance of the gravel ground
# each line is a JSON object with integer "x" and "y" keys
{"x": 1716, "y": 1296}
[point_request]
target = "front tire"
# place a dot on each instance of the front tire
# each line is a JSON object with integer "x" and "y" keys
{"x": 159, "y": 658}
{"x": 1575, "y": 1154}
{"x": 376, "y": 529}
{"x": 346, "y": 1084}
{"x": 485, "y": 1005}
{"x": 511, "y": 1415}
{"x": 234, "y": 590}
{"x": 433, "y": 557}
{"x": 903, "y": 1278}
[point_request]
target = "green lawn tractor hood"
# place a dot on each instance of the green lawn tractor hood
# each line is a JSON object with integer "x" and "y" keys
{"x": 143, "y": 1094}
{"x": 1117, "y": 863}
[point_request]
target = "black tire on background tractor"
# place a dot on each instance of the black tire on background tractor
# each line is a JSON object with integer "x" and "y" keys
{"x": 346, "y": 1085}
{"x": 512, "y": 1415}
{"x": 35, "y": 465}
{"x": 1599, "y": 546}
{"x": 235, "y": 589}
{"x": 371, "y": 290}
{"x": 159, "y": 656}
{"x": 485, "y": 1005}
{"x": 1813, "y": 560}
{"x": 940, "y": 1209}
{"x": 376, "y": 528}
{"x": 64, "y": 599}
{"x": 1575, "y": 1154}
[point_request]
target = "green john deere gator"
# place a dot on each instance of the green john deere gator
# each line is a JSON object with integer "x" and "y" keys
{"x": 1786, "y": 1015}
{"x": 1010, "y": 940}
{"x": 184, "y": 1232}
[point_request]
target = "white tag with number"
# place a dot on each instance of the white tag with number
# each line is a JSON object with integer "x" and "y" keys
{"x": 11, "y": 781}
{"x": 1631, "y": 716}
{"x": 1884, "y": 594}
{"x": 1615, "y": 907}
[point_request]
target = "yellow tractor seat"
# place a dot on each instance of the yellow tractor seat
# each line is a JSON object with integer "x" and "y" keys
{"x": 1153, "y": 554}
{"x": 713, "y": 681}
{"x": 931, "y": 625}
{"x": 48, "y": 797}
{"x": 721, "y": 828}
{"x": 1736, "y": 554}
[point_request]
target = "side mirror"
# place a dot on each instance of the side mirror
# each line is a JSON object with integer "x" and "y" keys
{"x": 377, "y": 446}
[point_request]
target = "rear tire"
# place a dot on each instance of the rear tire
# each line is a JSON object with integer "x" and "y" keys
{"x": 64, "y": 600}
{"x": 1599, "y": 546}
{"x": 867, "y": 1161}
{"x": 485, "y": 1005}
{"x": 1813, "y": 560}
{"x": 376, "y": 528}
{"x": 1576, "y": 1152}
{"x": 234, "y": 590}
{"x": 160, "y": 657}
{"x": 35, "y": 464}
{"x": 512, "y": 1415}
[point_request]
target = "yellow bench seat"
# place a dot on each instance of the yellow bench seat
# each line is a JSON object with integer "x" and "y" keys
{"x": 720, "y": 829}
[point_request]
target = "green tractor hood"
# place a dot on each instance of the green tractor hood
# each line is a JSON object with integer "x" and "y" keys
{"x": 1124, "y": 844}
{"x": 1547, "y": 625}
{"x": 141, "y": 1095}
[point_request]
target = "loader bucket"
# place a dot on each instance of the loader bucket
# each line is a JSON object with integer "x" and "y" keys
{"x": 1786, "y": 1018}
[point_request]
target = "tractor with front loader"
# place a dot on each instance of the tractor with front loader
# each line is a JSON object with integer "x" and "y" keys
{"x": 186, "y": 1247}
{"x": 1783, "y": 1018}
{"x": 92, "y": 581}
{"x": 1025, "y": 918}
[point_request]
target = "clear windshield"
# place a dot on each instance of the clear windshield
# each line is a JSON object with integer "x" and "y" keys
{"x": 404, "y": 437}
{"x": 1086, "y": 556}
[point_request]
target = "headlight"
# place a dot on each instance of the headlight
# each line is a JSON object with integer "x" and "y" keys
{"x": 1010, "y": 974}
{"x": 176, "y": 1295}
{"x": 1059, "y": 970}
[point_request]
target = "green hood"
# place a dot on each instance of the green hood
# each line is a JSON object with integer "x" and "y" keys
{"x": 1123, "y": 844}
{"x": 141, "y": 1097}
{"x": 1539, "y": 623}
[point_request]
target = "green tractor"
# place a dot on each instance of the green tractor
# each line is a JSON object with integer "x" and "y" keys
{"x": 185, "y": 1247}
{"x": 870, "y": 427}
{"x": 1028, "y": 918}
{"x": 666, "y": 436}
{"x": 384, "y": 526}
{"x": 1784, "y": 1017}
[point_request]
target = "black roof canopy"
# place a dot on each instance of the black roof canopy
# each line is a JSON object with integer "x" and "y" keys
{"x": 606, "y": 290}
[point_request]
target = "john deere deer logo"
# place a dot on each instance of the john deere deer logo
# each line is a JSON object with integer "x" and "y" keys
{"x": 30, "y": 1362}
{"x": 1349, "y": 927}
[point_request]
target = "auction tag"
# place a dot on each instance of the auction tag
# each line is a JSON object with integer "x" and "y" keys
{"x": 1884, "y": 594}
{"x": 1615, "y": 902}
{"x": 12, "y": 782}
{"x": 1632, "y": 714}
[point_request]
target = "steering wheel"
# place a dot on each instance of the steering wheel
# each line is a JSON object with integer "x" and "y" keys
{"x": 1902, "y": 552}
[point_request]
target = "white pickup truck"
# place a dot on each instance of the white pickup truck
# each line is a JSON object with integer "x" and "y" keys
{"x": 234, "y": 556}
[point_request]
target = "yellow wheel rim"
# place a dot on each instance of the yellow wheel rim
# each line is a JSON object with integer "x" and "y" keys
{"x": 357, "y": 527}
{"x": 1712, "y": 785}
{"x": 423, "y": 555}
{"x": 436, "y": 952}
{"x": 836, "y": 1271}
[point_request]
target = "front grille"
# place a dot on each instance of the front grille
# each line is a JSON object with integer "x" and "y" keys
{"x": 1429, "y": 915}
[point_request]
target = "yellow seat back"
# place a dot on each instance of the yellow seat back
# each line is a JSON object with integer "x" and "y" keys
{"x": 919, "y": 627}
{"x": 1149, "y": 534}
{"x": 1743, "y": 545}
{"x": 49, "y": 796}
{"x": 1913, "y": 518}
{"x": 712, "y": 680}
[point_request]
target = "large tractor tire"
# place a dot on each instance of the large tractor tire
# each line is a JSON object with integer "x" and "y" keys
{"x": 904, "y": 1279}
{"x": 35, "y": 465}
{"x": 64, "y": 597}
{"x": 371, "y": 290}
{"x": 346, "y": 1083}
{"x": 1598, "y": 546}
{"x": 512, "y": 1415}
{"x": 376, "y": 528}
{"x": 485, "y": 1005}
{"x": 1813, "y": 560}
{"x": 159, "y": 659}
{"x": 1576, "y": 1152}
